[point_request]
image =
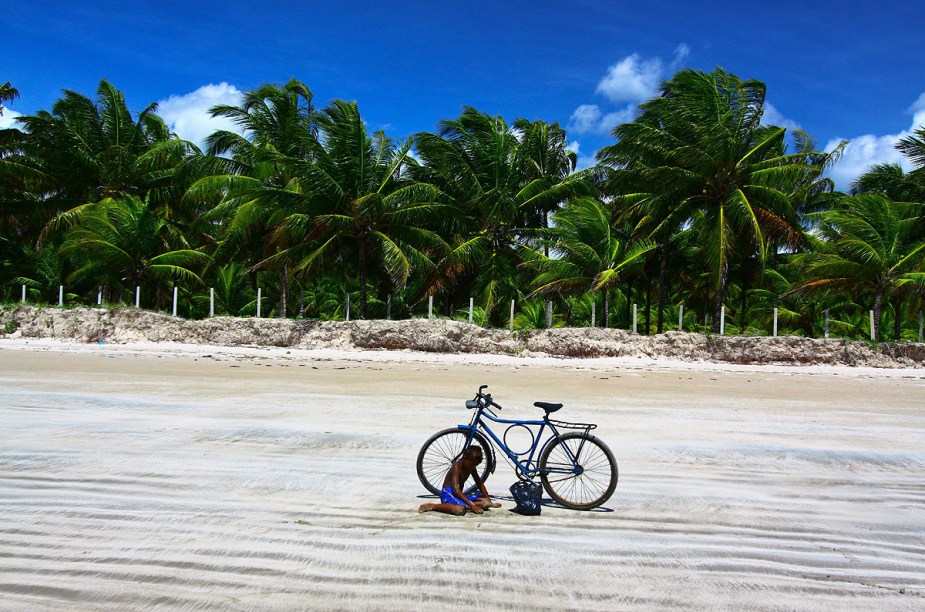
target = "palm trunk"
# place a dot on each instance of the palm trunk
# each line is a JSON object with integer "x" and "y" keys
{"x": 897, "y": 319}
{"x": 662, "y": 285}
{"x": 283, "y": 290}
{"x": 362, "y": 265}
{"x": 878, "y": 306}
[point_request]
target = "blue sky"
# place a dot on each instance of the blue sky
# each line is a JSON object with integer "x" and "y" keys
{"x": 839, "y": 70}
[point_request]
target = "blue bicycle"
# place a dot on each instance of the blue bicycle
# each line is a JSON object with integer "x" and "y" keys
{"x": 577, "y": 469}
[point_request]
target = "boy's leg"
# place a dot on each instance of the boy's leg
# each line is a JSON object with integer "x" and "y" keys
{"x": 453, "y": 509}
{"x": 486, "y": 503}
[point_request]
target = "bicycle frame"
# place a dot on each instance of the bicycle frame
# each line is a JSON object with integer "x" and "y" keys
{"x": 478, "y": 424}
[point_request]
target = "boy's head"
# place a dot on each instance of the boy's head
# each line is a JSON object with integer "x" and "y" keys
{"x": 473, "y": 455}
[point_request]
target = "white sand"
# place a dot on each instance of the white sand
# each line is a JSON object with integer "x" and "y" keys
{"x": 177, "y": 476}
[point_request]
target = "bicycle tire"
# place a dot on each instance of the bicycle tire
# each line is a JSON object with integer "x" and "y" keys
{"x": 442, "y": 449}
{"x": 595, "y": 482}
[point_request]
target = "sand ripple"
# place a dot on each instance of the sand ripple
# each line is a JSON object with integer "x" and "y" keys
{"x": 115, "y": 500}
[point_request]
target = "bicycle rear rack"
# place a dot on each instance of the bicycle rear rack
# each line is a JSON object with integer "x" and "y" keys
{"x": 587, "y": 427}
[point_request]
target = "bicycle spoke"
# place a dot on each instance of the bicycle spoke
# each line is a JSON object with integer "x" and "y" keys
{"x": 578, "y": 471}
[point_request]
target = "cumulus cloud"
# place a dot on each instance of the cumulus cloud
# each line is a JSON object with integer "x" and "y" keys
{"x": 8, "y": 119}
{"x": 632, "y": 79}
{"x": 188, "y": 114}
{"x": 589, "y": 118}
{"x": 627, "y": 83}
{"x": 864, "y": 151}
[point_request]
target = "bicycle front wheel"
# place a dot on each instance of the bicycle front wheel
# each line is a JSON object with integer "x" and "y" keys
{"x": 445, "y": 447}
{"x": 578, "y": 471}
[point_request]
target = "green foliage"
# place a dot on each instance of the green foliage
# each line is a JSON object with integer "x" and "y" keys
{"x": 696, "y": 203}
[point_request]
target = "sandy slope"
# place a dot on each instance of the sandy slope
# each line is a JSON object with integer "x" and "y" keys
{"x": 136, "y": 478}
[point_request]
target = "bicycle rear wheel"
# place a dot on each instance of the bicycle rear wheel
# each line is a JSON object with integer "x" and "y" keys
{"x": 445, "y": 447}
{"x": 578, "y": 471}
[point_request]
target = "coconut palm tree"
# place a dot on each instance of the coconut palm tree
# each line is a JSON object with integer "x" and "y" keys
{"x": 892, "y": 181}
{"x": 91, "y": 150}
{"x": 246, "y": 193}
{"x": 870, "y": 246}
{"x": 913, "y": 147}
{"x": 697, "y": 155}
{"x": 7, "y": 94}
{"x": 354, "y": 202}
{"x": 587, "y": 254}
{"x": 502, "y": 180}
{"x": 124, "y": 243}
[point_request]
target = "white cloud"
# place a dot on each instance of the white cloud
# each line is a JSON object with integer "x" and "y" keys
{"x": 627, "y": 83}
{"x": 864, "y": 151}
{"x": 8, "y": 119}
{"x": 188, "y": 115}
{"x": 588, "y": 118}
{"x": 631, "y": 79}
{"x": 772, "y": 116}
{"x": 680, "y": 56}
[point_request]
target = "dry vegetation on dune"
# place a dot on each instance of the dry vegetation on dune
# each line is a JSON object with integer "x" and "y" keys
{"x": 443, "y": 336}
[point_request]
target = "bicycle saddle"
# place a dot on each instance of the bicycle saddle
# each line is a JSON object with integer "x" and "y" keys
{"x": 547, "y": 406}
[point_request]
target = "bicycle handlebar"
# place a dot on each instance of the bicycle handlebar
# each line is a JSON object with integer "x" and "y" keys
{"x": 484, "y": 397}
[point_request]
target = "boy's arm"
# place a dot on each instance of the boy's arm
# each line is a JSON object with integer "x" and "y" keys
{"x": 481, "y": 485}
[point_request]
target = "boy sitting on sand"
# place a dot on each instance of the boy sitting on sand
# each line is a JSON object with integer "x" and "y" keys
{"x": 452, "y": 499}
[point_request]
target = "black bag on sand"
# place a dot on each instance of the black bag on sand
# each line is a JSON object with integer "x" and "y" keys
{"x": 529, "y": 497}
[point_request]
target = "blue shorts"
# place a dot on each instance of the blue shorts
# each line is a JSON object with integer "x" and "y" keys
{"x": 447, "y": 497}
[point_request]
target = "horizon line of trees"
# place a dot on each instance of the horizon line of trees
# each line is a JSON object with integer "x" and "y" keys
{"x": 696, "y": 204}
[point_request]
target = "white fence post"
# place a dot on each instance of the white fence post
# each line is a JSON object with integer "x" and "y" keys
{"x": 174, "y": 300}
{"x": 430, "y": 306}
{"x": 471, "y": 303}
{"x": 211, "y": 302}
{"x": 348, "y": 307}
{"x": 548, "y": 314}
{"x": 681, "y": 318}
{"x": 634, "y": 318}
{"x": 60, "y": 295}
{"x": 24, "y": 295}
{"x": 593, "y": 315}
{"x": 137, "y": 297}
{"x": 826, "y": 323}
{"x": 259, "y": 299}
{"x": 99, "y": 296}
{"x": 871, "y": 324}
{"x": 722, "y": 320}
{"x": 775, "y": 322}
{"x": 388, "y": 307}
{"x": 512, "y": 316}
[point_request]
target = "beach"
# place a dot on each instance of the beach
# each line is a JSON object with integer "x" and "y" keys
{"x": 162, "y": 476}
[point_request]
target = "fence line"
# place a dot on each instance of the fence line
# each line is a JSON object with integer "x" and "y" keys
{"x": 827, "y": 320}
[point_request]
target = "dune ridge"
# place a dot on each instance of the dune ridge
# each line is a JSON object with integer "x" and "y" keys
{"x": 121, "y": 325}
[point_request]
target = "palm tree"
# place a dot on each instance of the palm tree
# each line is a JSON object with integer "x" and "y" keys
{"x": 123, "y": 243}
{"x": 354, "y": 201}
{"x": 248, "y": 192}
{"x": 913, "y": 147}
{"x": 871, "y": 246}
{"x": 587, "y": 255}
{"x": 892, "y": 181}
{"x": 697, "y": 155}
{"x": 502, "y": 181}
{"x": 90, "y": 150}
{"x": 7, "y": 94}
